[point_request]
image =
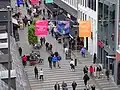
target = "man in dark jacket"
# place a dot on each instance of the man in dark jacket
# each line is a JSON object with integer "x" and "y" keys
{"x": 94, "y": 58}
{"x": 64, "y": 85}
{"x": 74, "y": 85}
{"x": 107, "y": 74}
{"x": 85, "y": 69}
{"x": 50, "y": 61}
{"x": 57, "y": 86}
{"x": 86, "y": 78}
{"x": 47, "y": 44}
{"x": 36, "y": 72}
{"x": 20, "y": 51}
{"x": 41, "y": 41}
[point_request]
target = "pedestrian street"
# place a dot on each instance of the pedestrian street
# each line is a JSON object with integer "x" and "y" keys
{"x": 51, "y": 76}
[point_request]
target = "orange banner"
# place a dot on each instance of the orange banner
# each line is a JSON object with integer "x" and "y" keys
{"x": 85, "y": 29}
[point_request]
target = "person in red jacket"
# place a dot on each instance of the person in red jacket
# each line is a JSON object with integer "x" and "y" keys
{"x": 91, "y": 70}
{"x": 24, "y": 60}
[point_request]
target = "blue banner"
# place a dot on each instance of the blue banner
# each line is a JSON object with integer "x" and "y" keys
{"x": 20, "y": 2}
{"x": 63, "y": 27}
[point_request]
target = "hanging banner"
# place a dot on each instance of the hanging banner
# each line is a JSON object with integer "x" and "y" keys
{"x": 48, "y": 1}
{"x": 33, "y": 2}
{"x": 41, "y": 28}
{"x": 19, "y": 2}
{"x": 63, "y": 27}
{"x": 85, "y": 29}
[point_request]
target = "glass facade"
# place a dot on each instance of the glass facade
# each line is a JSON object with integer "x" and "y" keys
{"x": 106, "y": 32}
{"x": 92, "y": 4}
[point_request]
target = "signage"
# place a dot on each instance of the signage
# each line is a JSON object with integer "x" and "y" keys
{"x": 34, "y": 2}
{"x": 100, "y": 44}
{"x": 85, "y": 29}
{"x": 63, "y": 27}
{"x": 48, "y": 1}
{"x": 41, "y": 28}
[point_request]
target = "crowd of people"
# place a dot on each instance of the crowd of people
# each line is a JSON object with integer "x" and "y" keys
{"x": 54, "y": 58}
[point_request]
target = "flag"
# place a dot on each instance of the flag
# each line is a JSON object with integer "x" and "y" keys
{"x": 19, "y": 2}
{"x": 41, "y": 28}
{"x": 85, "y": 29}
{"x": 34, "y": 2}
{"x": 63, "y": 27}
{"x": 48, "y": 1}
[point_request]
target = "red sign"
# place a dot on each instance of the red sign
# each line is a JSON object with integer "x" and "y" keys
{"x": 41, "y": 28}
{"x": 34, "y": 2}
{"x": 100, "y": 44}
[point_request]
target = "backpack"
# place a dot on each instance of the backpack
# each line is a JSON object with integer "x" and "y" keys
{"x": 59, "y": 57}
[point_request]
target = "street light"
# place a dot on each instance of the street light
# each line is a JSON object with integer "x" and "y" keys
{"x": 9, "y": 55}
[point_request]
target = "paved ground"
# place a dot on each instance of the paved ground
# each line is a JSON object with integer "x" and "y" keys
{"x": 64, "y": 73}
{"x": 56, "y": 74}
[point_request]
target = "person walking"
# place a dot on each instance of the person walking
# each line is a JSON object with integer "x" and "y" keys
{"x": 50, "y": 61}
{"x": 83, "y": 51}
{"x": 41, "y": 41}
{"x": 93, "y": 87}
{"x": 107, "y": 74}
{"x": 91, "y": 70}
{"x": 85, "y": 69}
{"x": 25, "y": 21}
{"x": 94, "y": 58}
{"x": 54, "y": 59}
{"x": 43, "y": 11}
{"x": 44, "y": 40}
{"x": 57, "y": 86}
{"x": 47, "y": 44}
{"x": 86, "y": 79}
{"x": 43, "y": 18}
{"x": 64, "y": 85}
{"x": 72, "y": 64}
{"x": 24, "y": 60}
{"x": 58, "y": 61}
{"x": 52, "y": 31}
{"x": 41, "y": 74}
{"x": 50, "y": 47}
{"x": 20, "y": 51}
{"x": 36, "y": 72}
{"x": 74, "y": 85}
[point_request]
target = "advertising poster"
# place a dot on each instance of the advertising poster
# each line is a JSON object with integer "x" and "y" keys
{"x": 63, "y": 27}
{"x": 85, "y": 29}
{"x": 41, "y": 28}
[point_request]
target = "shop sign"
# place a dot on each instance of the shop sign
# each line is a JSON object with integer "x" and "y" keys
{"x": 100, "y": 44}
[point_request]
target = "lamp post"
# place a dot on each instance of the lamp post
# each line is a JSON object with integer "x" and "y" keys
{"x": 9, "y": 54}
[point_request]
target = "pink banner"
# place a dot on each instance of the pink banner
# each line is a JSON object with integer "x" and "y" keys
{"x": 41, "y": 28}
{"x": 34, "y": 2}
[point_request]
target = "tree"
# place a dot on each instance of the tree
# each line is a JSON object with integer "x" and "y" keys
{"x": 32, "y": 39}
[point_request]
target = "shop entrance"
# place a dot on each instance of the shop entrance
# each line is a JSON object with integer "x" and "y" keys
{"x": 80, "y": 42}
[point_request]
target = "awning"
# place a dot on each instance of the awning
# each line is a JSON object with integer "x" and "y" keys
{"x": 15, "y": 21}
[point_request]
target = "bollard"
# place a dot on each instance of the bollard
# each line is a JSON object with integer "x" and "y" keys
{"x": 75, "y": 62}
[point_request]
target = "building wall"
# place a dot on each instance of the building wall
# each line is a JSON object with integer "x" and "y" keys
{"x": 71, "y": 3}
{"x": 87, "y": 12}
